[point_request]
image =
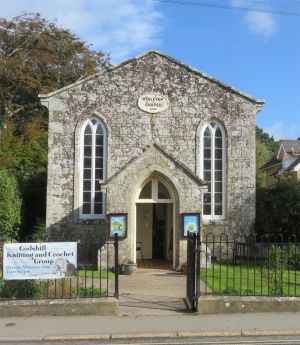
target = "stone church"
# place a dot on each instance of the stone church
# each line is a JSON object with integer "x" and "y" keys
{"x": 151, "y": 138}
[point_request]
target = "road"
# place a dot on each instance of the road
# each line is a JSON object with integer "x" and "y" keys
{"x": 288, "y": 340}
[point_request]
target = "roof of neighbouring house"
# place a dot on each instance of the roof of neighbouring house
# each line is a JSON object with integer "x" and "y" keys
{"x": 272, "y": 162}
{"x": 291, "y": 145}
{"x": 293, "y": 165}
{"x": 278, "y": 171}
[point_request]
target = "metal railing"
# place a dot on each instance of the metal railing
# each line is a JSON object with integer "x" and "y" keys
{"x": 250, "y": 266}
{"x": 96, "y": 276}
{"x": 193, "y": 270}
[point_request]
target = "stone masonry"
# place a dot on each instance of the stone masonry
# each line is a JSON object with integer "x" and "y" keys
{"x": 140, "y": 144}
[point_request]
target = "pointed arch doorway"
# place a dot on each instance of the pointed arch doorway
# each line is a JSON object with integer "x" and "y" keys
{"x": 155, "y": 220}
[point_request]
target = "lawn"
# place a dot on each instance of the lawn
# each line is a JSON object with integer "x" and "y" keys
{"x": 248, "y": 280}
{"x": 95, "y": 274}
{"x": 90, "y": 292}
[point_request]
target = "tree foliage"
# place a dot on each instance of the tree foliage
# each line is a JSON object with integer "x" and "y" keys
{"x": 271, "y": 144}
{"x": 10, "y": 206}
{"x": 36, "y": 56}
{"x": 24, "y": 155}
{"x": 266, "y": 148}
{"x": 39, "y": 56}
{"x": 263, "y": 155}
{"x": 278, "y": 208}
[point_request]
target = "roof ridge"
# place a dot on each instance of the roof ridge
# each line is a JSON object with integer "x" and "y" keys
{"x": 259, "y": 102}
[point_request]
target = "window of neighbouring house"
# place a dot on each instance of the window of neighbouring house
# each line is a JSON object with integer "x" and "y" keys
{"x": 213, "y": 170}
{"x": 93, "y": 169}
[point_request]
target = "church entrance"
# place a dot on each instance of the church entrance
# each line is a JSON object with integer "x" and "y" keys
{"x": 154, "y": 237}
{"x": 159, "y": 232}
{"x": 154, "y": 224}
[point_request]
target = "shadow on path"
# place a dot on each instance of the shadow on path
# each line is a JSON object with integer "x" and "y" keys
{"x": 152, "y": 292}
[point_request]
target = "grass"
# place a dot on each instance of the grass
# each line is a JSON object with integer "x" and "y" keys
{"x": 59, "y": 288}
{"x": 249, "y": 280}
{"x": 91, "y": 292}
{"x": 95, "y": 274}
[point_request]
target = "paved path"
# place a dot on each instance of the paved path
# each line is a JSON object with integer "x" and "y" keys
{"x": 116, "y": 327}
{"x": 152, "y": 292}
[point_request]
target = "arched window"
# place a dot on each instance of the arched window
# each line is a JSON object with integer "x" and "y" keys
{"x": 93, "y": 169}
{"x": 213, "y": 170}
{"x": 154, "y": 191}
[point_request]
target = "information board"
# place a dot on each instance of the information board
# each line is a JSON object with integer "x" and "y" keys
{"x": 47, "y": 260}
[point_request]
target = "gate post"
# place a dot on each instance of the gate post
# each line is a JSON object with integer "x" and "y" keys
{"x": 191, "y": 271}
{"x": 116, "y": 245}
{"x": 198, "y": 267}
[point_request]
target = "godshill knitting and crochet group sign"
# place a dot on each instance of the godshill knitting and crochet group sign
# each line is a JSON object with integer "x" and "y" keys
{"x": 48, "y": 260}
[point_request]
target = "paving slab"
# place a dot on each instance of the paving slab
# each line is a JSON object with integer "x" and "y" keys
{"x": 178, "y": 325}
{"x": 152, "y": 292}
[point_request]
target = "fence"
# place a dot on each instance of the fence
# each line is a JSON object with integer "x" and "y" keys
{"x": 193, "y": 271}
{"x": 269, "y": 266}
{"x": 96, "y": 276}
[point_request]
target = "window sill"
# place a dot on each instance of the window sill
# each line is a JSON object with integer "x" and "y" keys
{"x": 91, "y": 217}
{"x": 220, "y": 221}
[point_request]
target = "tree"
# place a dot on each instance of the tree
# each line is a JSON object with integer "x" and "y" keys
{"x": 24, "y": 155}
{"x": 10, "y": 206}
{"x": 278, "y": 208}
{"x": 266, "y": 148}
{"x": 271, "y": 144}
{"x": 39, "y": 56}
{"x": 36, "y": 56}
{"x": 263, "y": 155}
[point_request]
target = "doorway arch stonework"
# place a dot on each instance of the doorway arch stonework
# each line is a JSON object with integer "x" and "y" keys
{"x": 122, "y": 188}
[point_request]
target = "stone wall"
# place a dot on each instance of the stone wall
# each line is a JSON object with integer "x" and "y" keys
{"x": 195, "y": 99}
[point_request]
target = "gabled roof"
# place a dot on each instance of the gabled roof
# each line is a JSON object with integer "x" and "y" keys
{"x": 176, "y": 162}
{"x": 294, "y": 164}
{"x": 259, "y": 102}
{"x": 271, "y": 163}
{"x": 291, "y": 146}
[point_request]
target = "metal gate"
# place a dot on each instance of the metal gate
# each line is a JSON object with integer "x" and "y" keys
{"x": 193, "y": 271}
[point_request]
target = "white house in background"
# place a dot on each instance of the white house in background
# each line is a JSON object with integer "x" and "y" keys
{"x": 285, "y": 163}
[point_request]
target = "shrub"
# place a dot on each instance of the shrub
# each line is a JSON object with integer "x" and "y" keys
{"x": 292, "y": 254}
{"x": 20, "y": 289}
{"x": 277, "y": 263}
{"x": 90, "y": 292}
{"x": 10, "y": 206}
{"x": 278, "y": 209}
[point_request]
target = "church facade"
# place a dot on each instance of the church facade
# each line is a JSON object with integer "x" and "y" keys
{"x": 150, "y": 139}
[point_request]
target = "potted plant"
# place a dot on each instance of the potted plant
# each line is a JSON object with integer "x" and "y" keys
{"x": 129, "y": 267}
{"x": 184, "y": 268}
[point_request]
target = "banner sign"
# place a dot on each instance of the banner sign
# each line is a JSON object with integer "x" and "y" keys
{"x": 47, "y": 260}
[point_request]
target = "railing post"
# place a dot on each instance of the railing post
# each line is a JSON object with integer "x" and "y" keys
{"x": 116, "y": 244}
{"x": 198, "y": 265}
{"x": 194, "y": 266}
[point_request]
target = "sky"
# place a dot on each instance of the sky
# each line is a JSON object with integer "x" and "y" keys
{"x": 256, "y": 51}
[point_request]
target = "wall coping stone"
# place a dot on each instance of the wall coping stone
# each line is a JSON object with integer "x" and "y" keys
{"x": 105, "y": 306}
{"x": 247, "y": 304}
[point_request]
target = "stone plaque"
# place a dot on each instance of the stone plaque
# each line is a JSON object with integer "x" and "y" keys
{"x": 153, "y": 103}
